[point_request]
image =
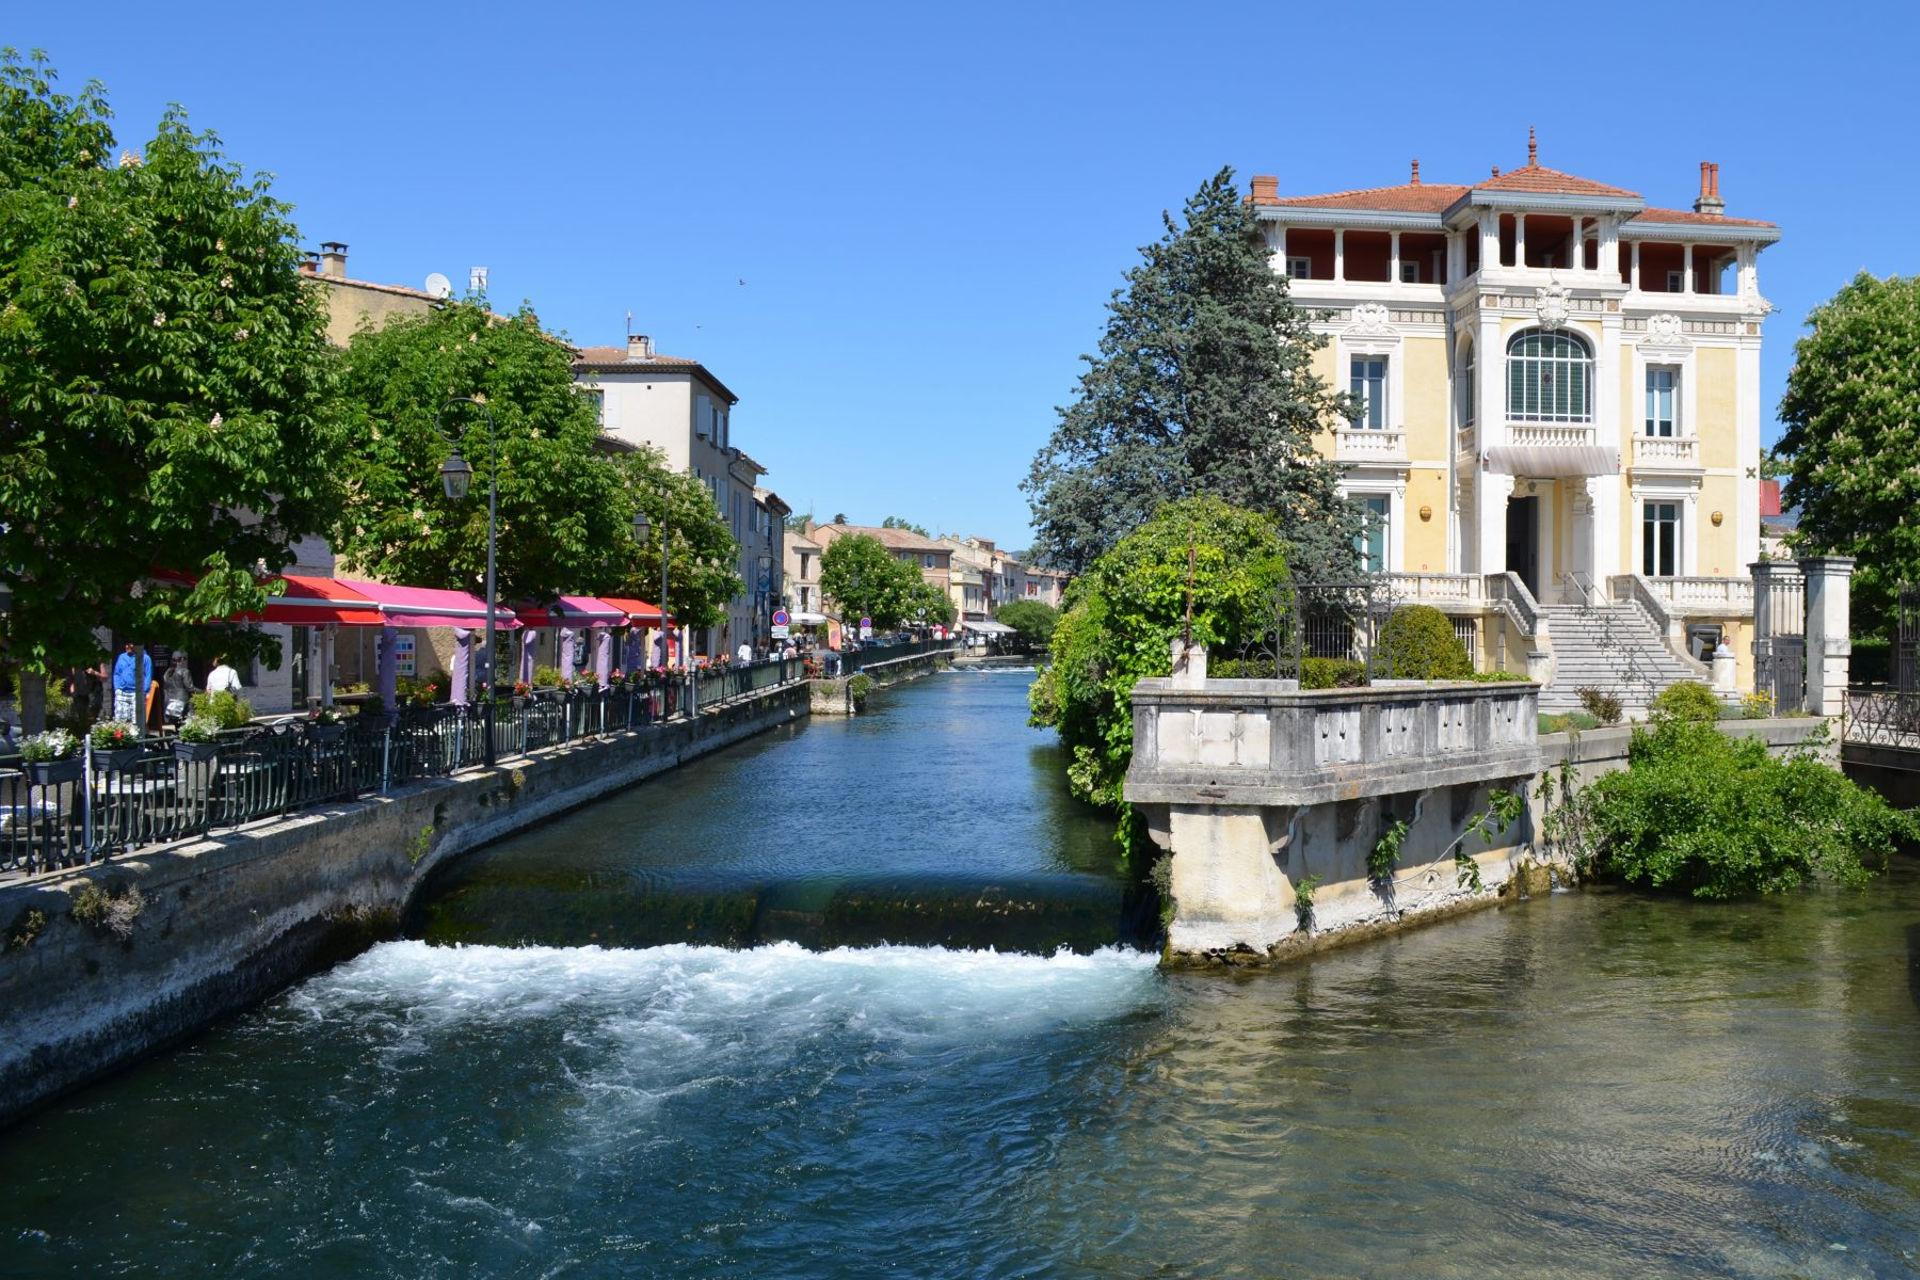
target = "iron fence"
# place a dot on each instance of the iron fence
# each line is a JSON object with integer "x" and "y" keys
{"x": 854, "y": 661}
{"x": 1884, "y": 717}
{"x": 88, "y": 809}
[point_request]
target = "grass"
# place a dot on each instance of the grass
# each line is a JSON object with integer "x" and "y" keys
{"x": 1568, "y": 721}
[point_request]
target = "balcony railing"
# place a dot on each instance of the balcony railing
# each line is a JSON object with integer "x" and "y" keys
{"x": 1551, "y": 435}
{"x": 1369, "y": 444}
{"x": 1698, "y": 595}
{"x": 1666, "y": 451}
{"x": 1458, "y": 590}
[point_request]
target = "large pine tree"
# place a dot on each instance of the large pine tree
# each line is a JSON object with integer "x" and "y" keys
{"x": 1203, "y": 385}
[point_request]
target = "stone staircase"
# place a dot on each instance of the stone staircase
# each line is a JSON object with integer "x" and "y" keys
{"x": 1611, "y": 647}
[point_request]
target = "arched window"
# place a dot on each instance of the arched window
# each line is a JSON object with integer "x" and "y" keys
{"x": 1549, "y": 377}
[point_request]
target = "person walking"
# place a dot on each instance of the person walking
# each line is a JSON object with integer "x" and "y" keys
{"x": 223, "y": 678}
{"x": 132, "y": 675}
{"x": 744, "y": 653}
{"x": 176, "y": 689}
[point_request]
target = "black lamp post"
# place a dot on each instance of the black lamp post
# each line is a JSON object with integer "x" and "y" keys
{"x": 456, "y": 474}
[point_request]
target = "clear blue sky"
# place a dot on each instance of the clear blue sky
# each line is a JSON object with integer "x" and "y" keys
{"x": 930, "y": 204}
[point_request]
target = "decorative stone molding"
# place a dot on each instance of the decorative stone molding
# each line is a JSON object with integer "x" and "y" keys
{"x": 1370, "y": 319}
{"x": 1666, "y": 329}
{"x": 1552, "y": 305}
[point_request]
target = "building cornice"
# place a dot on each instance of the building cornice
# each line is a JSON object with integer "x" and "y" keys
{"x": 1697, "y": 232}
{"x": 1349, "y": 219}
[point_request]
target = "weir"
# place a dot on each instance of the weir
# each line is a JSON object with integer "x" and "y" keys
{"x": 1271, "y": 800}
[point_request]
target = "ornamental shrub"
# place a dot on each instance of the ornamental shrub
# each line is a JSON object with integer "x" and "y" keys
{"x": 1332, "y": 673}
{"x": 1688, "y": 700}
{"x": 227, "y": 709}
{"x": 1701, "y": 813}
{"x": 1418, "y": 644}
{"x": 1601, "y": 705}
{"x": 1124, "y": 613}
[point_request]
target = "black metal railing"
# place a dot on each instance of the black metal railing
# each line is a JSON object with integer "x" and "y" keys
{"x": 161, "y": 791}
{"x": 1883, "y": 717}
{"x": 854, "y": 661}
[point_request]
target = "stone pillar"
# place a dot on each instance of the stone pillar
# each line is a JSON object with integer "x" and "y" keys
{"x": 1339, "y": 255}
{"x": 460, "y": 679}
{"x": 1189, "y": 665}
{"x": 1491, "y": 491}
{"x": 1776, "y": 584}
{"x": 1519, "y": 239}
{"x": 1829, "y": 641}
{"x": 328, "y": 635}
{"x": 602, "y": 655}
{"x": 529, "y": 638}
{"x": 563, "y": 652}
{"x": 389, "y": 667}
{"x": 1724, "y": 679}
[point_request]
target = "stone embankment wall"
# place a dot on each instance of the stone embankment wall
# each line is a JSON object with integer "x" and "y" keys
{"x": 1269, "y": 801}
{"x": 225, "y": 921}
{"x": 830, "y": 697}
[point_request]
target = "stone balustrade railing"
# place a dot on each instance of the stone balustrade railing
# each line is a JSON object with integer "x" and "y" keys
{"x": 1459, "y": 590}
{"x": 1666, "y": 451}
{"x": 1550, "y": 435}
{"x": 1265, "y": 742}
{"x": 1370, "y": 444}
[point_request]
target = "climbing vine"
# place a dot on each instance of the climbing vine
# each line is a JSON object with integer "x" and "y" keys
{"x": 1504, "y": 808}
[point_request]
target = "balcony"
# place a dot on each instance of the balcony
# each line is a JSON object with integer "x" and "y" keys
{"x": 1370, "y": 444}
{"x": 1551, "y": 435}
{"x": 1666, "y": 453}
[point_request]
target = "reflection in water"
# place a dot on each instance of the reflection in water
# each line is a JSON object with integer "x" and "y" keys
{"x": 1584, "y": 1085}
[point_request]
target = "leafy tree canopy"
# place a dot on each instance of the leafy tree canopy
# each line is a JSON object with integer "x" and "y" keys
{"x": 165, "y": 382}
{"x": 901, "y": 522}
{"x": 1852, "y": 443}
{"x": 1033, "y": 622}
{"x": 1203, "y": 385}
{"x": 931, "y": 605}
{"x": 1124, "y": 612}
{"x": 566, "y": 507}
{"x": 859, "y": 574}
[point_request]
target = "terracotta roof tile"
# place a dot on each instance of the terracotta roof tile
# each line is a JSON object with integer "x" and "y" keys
{"x": 1535, "y": 177}
{"x": 1698, "y": 219}
{"x": 897, "y": 539}
{"x": 1411, "y": 197}
{"x": 618, "y": 355}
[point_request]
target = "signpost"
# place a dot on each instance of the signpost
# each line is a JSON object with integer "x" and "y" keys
{"x": 866, "y": 628}
{"x": 780, "y": 624}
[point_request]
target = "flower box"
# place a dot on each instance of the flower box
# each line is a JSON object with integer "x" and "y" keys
{"x": 117, "y": 759}
{"x": 195, "y": 752}
{"x": 51, "y": 773}
{"x": 321, "y": 731}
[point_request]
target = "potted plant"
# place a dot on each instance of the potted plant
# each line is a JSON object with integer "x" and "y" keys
{"x": 199, "y": 739}
{"x": 373, "y": 716}
{"x": 51, "y": 758}
{"x": 325, "y": 725}
{"x": 116, "y": 744}
{"x": 521, "y": 691}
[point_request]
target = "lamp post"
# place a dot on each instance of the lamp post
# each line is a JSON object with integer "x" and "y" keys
{"x": 456, "y": 474}
{"x": 641, "y": 525}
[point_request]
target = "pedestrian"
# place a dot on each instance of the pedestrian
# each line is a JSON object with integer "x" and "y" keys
{"x": 223, "y": 678}
{"x": 744, "y": 653}
{"x": 176, "y": 689}
{"x": 132, "y": 674}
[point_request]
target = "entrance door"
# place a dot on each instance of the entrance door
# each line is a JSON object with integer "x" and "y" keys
{"x": 1660, "y": 540}
{"x": 1523, "y": 541}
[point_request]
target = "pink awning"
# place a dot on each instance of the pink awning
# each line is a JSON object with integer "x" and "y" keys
{"x": 573, "y": 611}
{"x": 431, "y": 606}
{"x": 639, "y": 612}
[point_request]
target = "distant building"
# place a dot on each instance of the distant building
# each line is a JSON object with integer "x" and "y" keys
{"x": 932, "y": 557}
{"x": 802, "y": 571}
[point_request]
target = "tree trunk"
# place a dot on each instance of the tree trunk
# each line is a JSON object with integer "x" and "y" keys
{"x": 33, "y": 701}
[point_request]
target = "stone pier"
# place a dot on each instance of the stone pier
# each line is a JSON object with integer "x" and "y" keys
{"x": 1256, "y": 787}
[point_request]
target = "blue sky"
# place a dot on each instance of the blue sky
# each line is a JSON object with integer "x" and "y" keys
{"x": 929, "y": 205}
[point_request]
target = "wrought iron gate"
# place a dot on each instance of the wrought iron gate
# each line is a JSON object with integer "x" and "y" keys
{"x": 1780, "y": 638}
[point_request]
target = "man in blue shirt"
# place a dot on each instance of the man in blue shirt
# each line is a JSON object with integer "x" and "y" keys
{"x": 132, "y": 676}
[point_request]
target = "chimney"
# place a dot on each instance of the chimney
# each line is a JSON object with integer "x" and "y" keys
{"x": 333, "y": 259}
{"x": 309, "y": 262}
{"x": 1266, "y": 189}
{"x": 1710, "y": 201}
{"x": 1415, "y": 179}
{"x": 639, "y": 347}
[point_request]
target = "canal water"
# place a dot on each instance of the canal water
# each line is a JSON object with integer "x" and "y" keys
{"x": 1591, "y": 1084}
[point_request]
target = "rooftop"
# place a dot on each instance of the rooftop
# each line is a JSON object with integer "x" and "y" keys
{"x": 896, "y": 539}
{"x": 627, "y": 360}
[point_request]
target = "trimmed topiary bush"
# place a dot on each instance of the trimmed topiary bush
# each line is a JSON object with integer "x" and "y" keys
{"x": 1418, "y": 644}
{"x": 1688, "y": 700}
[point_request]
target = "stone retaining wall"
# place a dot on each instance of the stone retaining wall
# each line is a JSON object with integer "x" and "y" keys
{"x": 226, "y": 921}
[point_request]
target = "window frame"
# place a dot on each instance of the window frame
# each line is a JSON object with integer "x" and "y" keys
{"x": 1382, "y": 528}
{"x": 1299, "y": 267}
{"x": 1649, "y": 419}
{"x": 1373, "y": 413}
{"x": 1553, "y": 399}
{"x": 1650, "y": 526}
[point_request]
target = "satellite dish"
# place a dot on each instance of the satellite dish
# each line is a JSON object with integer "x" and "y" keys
{"x": 438, "y": 286}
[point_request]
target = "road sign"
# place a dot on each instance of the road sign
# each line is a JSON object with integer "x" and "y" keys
{"x": 866, "y": 628}
{"x": 780, "y": 621}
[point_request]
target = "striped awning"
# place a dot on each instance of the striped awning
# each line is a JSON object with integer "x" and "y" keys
{"x": 1553, "y": 460}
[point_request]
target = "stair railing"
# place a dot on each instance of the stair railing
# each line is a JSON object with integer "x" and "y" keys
{"x": 1635, "y": 589}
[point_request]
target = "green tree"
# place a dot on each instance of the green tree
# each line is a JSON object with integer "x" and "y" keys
{"x": 1203, "y": 385}
{"x": 859, "y": 574}
{"x": 566, "y": 507}
{"x": 1124, "y": 612}
{"x": 1851, "y": 449}
{"x": 165, "y": 383}
{"x": 1033, "y": 622}
{"x": 931, "y": 605}
{"x": 901, "y": 522}
{"x": 1418, "y": 644}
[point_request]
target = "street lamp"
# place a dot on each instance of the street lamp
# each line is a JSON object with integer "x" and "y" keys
{"x": 456, "y": 475}
{"x": 641, "y": 527}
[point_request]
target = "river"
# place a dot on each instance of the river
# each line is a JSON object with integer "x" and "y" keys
{"x": 1592, "y": 1084}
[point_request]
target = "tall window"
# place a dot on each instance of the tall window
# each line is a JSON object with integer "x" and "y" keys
{"x": 1465, "y": 383}
{"x": 1663, "y": 394}
{"x": 1372, "y": 544}
{"x": 1660, "y": 539}
{"x": 1300, "y": 268}
{"x": 1549, "y": 378}
{"x": 1369, "y": 386}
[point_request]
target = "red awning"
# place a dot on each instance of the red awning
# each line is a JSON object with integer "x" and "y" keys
{"x": 308, "y": 601}
{"x": 639, "y": 612}
{"x": 573, "y": 611}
